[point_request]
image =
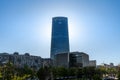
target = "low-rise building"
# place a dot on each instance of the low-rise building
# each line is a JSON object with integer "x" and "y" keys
{"x": 72, "y": 59}
{"x": 27, "y": 60}
{"x": 82, "y": 59}
{"x": 92, "y": 63}
{"x": 21, "y": 60}
{"x": 47, "y": 62}
{"x": 61, "y": 60}
{"x": 4, "y": 58}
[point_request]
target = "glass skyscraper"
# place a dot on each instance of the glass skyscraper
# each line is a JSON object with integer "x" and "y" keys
{"x": 60, "y": 36}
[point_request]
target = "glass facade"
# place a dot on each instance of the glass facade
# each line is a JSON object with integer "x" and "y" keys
{"x": 60, "y": 37}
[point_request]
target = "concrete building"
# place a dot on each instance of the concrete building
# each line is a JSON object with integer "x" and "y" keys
{"x": 47, "y": 62}
{"x": 21, "y": 60}
{"x": 111, "y": 65}
{"x": 72, "y": 59}
{"x": 62, "y": 60}
{"x": 82, "y": 59}
{"x": 27, "y": 60}
{"x": 92, "y": 63}
{"x": 4, "y": 58}
{"x": 60, "y": 36}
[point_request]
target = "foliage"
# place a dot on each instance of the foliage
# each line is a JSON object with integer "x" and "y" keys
{"x": 62, "y": 72}
{"x": 11, "y": 72}
{"x": 119, "y": 73}
{"x": 72, "y": 71}
{"x": 43, "y": 73}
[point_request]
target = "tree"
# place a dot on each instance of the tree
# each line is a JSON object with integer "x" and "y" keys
{"x": 62, "y": 72}
{"x": 54, "y": 72}
{"x": 79, "y": 72}
{"x": 118, "y": 73}
{"x": 43, "y": 73}
{"x": 92, "y": 73}
{"x": 97, "y": 75}
{"x": 72, "y": 71}
{"x": 8, "y": 71}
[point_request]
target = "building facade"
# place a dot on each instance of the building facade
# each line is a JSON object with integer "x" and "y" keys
{"x": 27, "y": 60}
{"x": 4, "y": 58}
{"x": 79, "y": 59}
{"x": 92, "y": 63}
{"x": 72, "y": 59}
{"x": 21, "y": 60}
{"x": 62, "y": 60}
{"x": 47, "y": 62}
{"x": 60, "y": 36}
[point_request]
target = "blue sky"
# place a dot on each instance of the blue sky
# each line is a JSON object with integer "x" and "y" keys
{"x": 94, "y": 27}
